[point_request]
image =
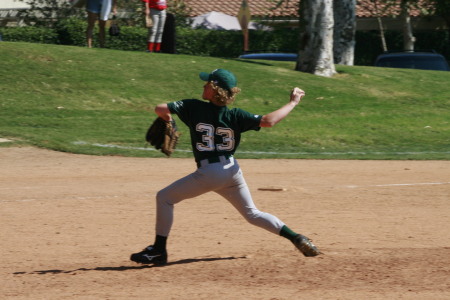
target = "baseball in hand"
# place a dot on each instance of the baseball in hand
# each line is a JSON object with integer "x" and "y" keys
{"x": 297, "y": 94}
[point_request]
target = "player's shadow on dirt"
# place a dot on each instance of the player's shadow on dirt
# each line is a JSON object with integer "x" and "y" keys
{"x": 126, "y": 268}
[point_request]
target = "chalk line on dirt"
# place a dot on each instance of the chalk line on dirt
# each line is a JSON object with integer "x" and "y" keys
{"x": 397, "y": 184}
{"x": 269, "y": 152}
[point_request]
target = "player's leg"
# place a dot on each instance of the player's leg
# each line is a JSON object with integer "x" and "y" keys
{"x": 153, "y": 30}
{"x": 150, "y": 42}
{"x": 238, "y": 194}
{"x": 160, "y": 30}
{"x": 101, "y": 33}
{"x": 187, "y": 187}
{"x": 92, "y": 18}
{"x": 93, "y": 8}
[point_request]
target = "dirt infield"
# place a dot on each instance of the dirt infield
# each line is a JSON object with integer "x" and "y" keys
{"x": 69, "y": 223}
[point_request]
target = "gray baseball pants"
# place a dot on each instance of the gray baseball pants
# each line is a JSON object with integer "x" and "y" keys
{"x": 224, "y": 178}
{"x": 156, "y": 31}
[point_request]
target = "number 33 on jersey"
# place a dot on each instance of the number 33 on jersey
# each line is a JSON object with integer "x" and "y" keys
{"x": 215, "y": 130}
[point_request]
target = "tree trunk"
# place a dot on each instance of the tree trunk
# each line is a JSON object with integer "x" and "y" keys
{"x": 408, "y": 37}
{"x": 316, "y": 38}
{"x": 380, "y": 25}
{"x": 344, "y": 31}
{"x": 383, "y": 38}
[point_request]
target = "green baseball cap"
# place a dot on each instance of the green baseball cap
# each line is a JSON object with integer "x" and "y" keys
{"x": 223, "y": 78}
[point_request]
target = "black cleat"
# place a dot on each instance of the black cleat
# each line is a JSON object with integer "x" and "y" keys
{"x": 150, "y": 256}
{"x": 305, "y": 246}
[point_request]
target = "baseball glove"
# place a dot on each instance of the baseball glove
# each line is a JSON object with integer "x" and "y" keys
{"x": 163, "y": 135}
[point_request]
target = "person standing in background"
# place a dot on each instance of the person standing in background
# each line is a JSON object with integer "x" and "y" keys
{"x": 98, "y": 10}
{"x": 156, "y": 10}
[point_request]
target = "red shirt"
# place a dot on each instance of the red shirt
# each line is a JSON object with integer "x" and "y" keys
{"x": 156, "y": 4}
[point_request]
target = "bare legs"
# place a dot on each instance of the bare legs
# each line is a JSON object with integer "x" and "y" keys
{"x": 92, "y": 18}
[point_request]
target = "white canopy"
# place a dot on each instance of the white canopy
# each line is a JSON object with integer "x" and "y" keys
{"x": 220, "y": 21}
{"x": 13, "y": 4}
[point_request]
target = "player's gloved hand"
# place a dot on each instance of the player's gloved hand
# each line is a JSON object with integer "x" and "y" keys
{"x": 163, "y": 135}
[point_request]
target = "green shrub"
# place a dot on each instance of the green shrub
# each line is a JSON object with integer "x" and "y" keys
{"x": 437, "y": 40}
{"x": 190, "y": 41}
{"x": 130, "y": 39}
{"x": 29, "y": 34}
{"x": 72, "y": 31}
{"x": 368, "y": 44}
{"x": 220, "y": 43}
{"x": 208, "y": 42}
{"x": 283, "y": 40}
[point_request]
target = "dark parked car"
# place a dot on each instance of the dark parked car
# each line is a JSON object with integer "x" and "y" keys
{"x": 271, "y": 56}
{"x": 413, "y": 60}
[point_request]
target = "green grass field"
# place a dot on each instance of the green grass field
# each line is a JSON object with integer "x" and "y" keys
{"x": 100, "y": 102}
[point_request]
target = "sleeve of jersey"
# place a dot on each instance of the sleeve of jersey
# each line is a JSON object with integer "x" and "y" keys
{"x": 180, "y": 108}
{"x": 248, "y": 121}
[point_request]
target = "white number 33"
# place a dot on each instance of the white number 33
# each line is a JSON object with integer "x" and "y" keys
{"x": 208, "y": 144}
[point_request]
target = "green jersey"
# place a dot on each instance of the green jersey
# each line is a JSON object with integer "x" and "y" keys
{"x": 215, "y": 130}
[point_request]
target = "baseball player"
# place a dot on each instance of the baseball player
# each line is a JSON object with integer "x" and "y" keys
{"x": 215, "y": 132}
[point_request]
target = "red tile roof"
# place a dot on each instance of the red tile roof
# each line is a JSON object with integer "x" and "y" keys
{"x": 231, "y": 7}
{"x": 289, "y": 8}
{"x": 367, "y": 8}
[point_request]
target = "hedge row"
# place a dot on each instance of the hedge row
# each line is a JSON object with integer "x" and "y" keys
{"x": 216, "y": 43}
{"x": 368, "y": 44}
{"x": 29, "y": 34}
